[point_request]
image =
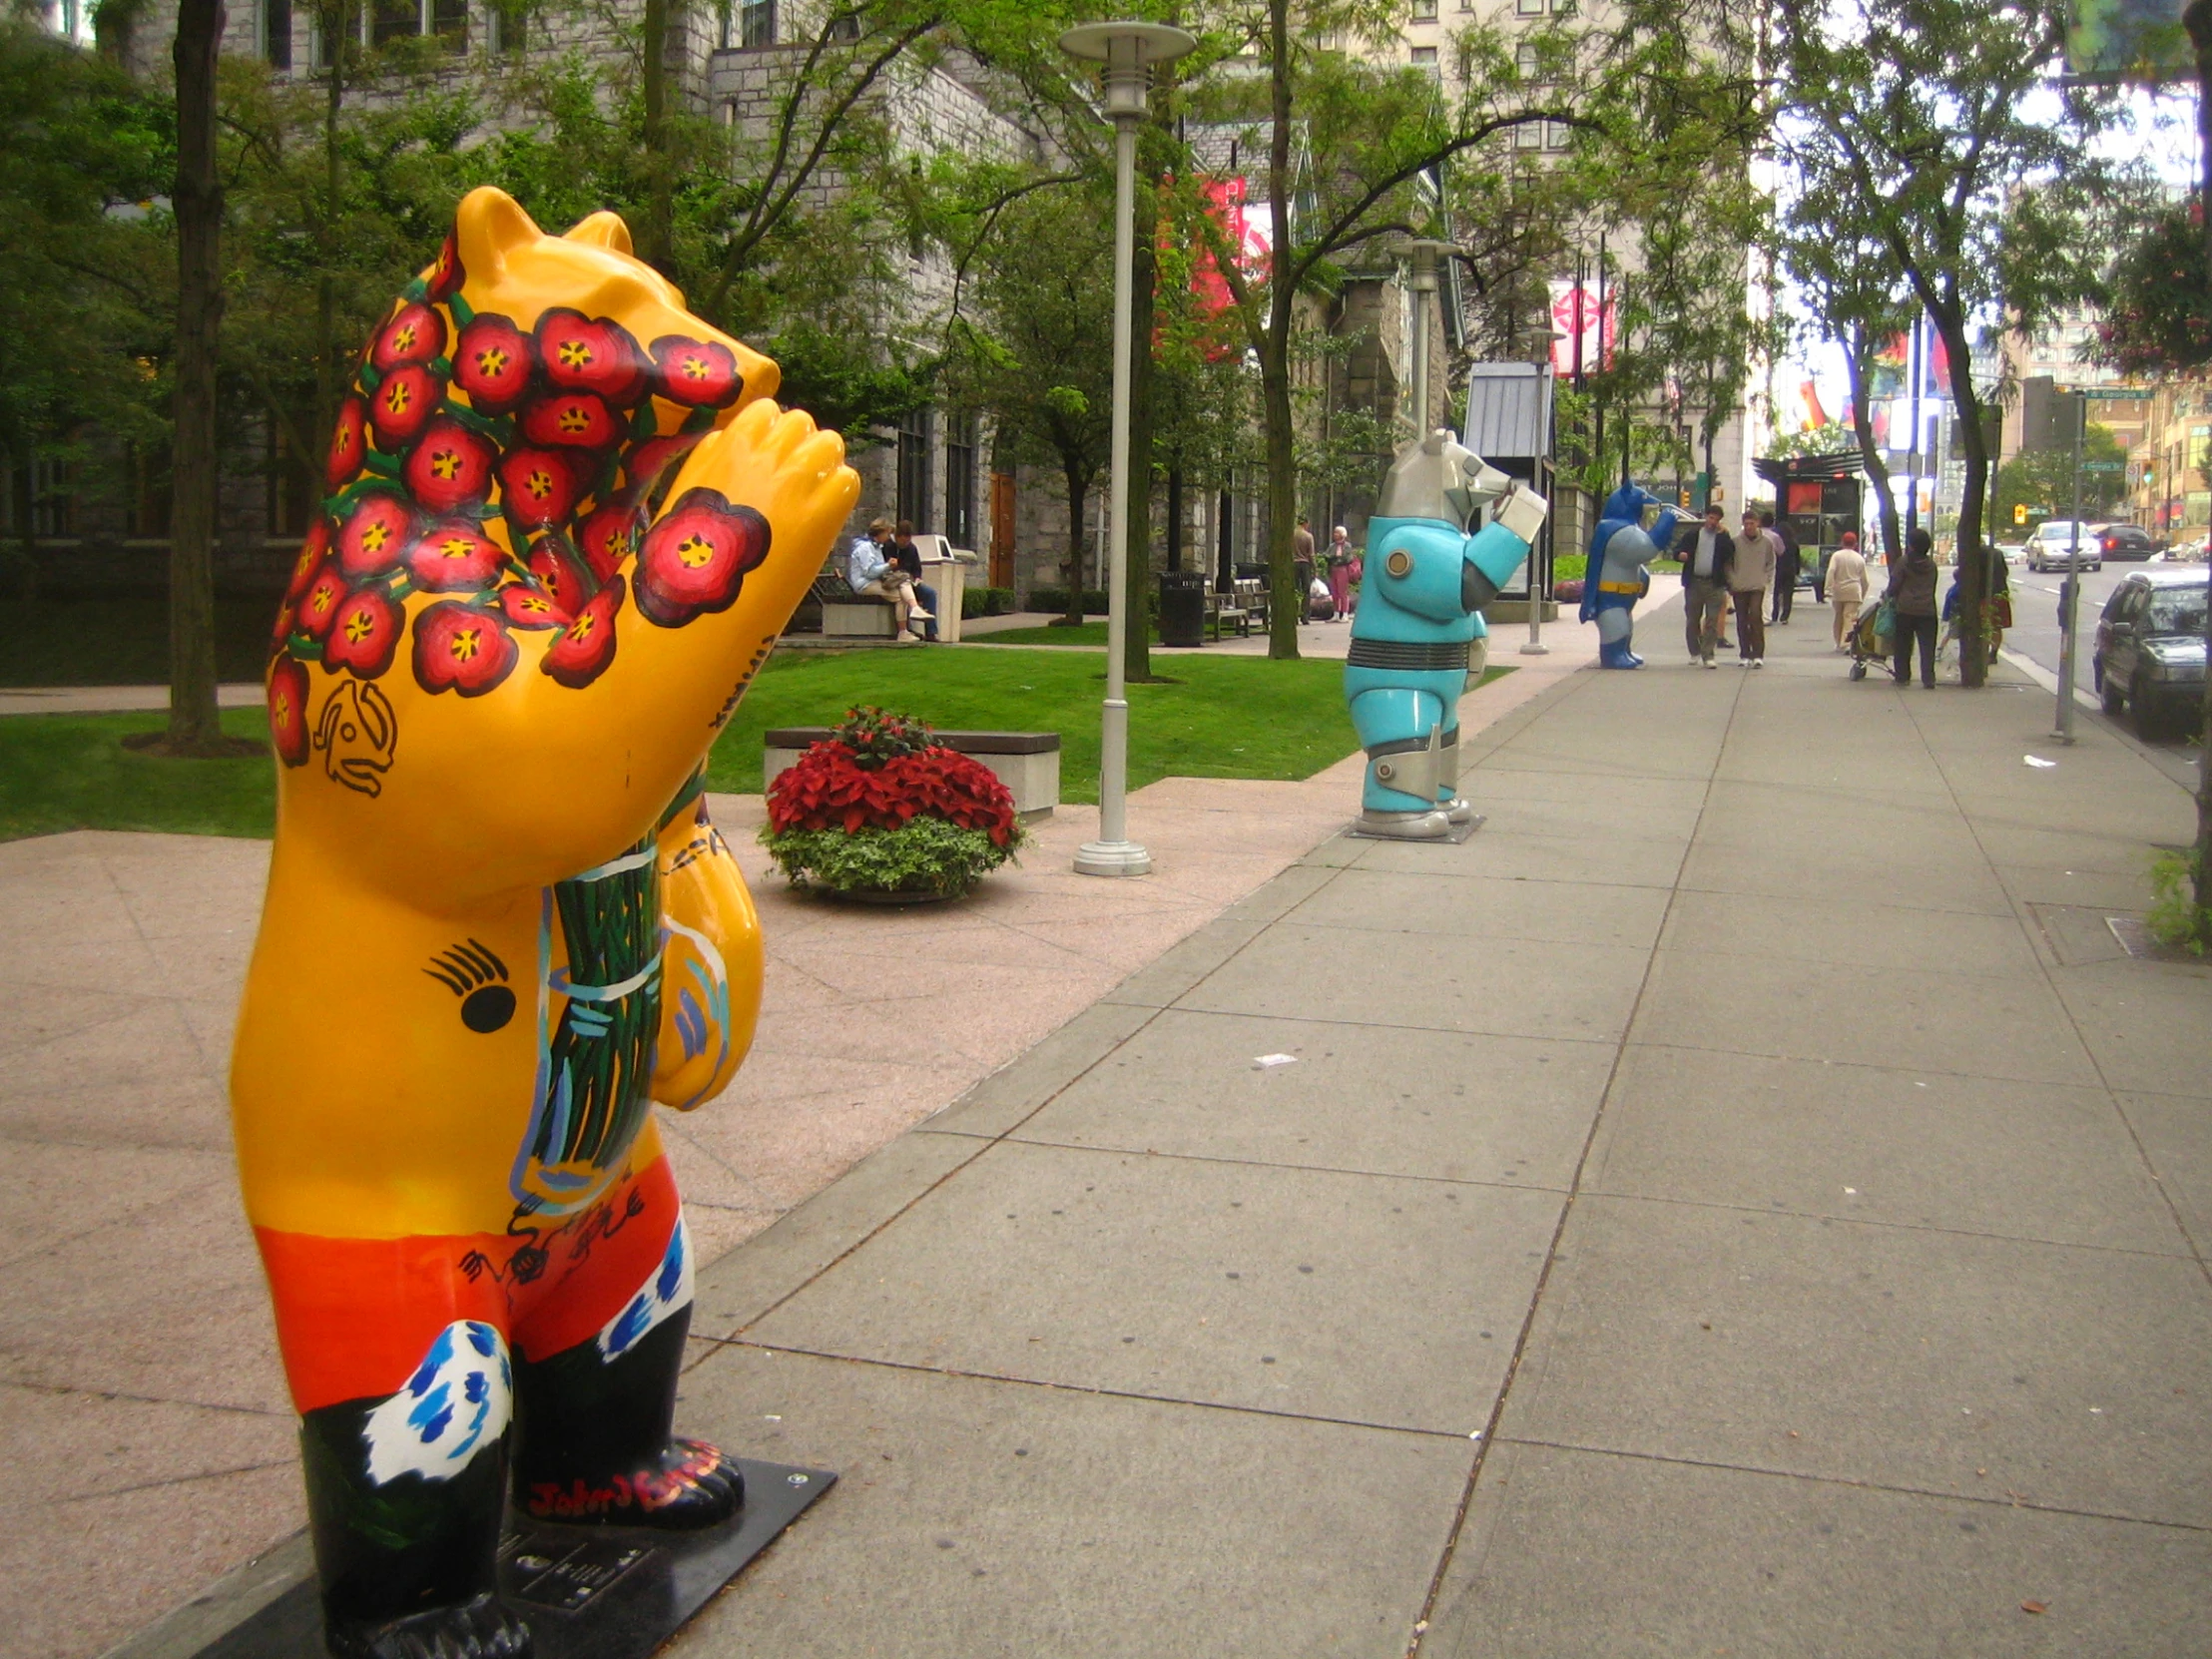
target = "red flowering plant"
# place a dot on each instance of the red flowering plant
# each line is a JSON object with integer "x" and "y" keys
{"x": 880, "y": 808}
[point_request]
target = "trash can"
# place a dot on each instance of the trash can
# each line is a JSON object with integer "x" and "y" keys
{"x": 1182, "y": 607}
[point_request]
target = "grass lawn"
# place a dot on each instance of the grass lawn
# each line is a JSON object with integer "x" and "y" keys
{"x": 1225, "y": 717}
{"x": 1090, "y": 633}
{"x": 71, "y": 772}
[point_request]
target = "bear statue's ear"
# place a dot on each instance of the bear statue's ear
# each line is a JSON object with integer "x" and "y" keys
{"x": 602, "y": 230}
{"x": 487, "y": 226}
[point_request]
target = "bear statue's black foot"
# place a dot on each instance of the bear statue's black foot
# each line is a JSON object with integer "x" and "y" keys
{"x": 688, "y": 1487}
{"x": 478, "y": 1629}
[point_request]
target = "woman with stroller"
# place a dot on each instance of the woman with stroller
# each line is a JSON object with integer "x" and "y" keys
{"x": 1912, "y": 596}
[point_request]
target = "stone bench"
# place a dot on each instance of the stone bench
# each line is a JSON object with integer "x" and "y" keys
{"x": 1027, "y": 763}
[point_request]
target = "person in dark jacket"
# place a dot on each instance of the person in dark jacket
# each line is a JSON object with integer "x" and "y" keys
{"x": 1787, "y": 564}
{"x": 1912, "y": 596}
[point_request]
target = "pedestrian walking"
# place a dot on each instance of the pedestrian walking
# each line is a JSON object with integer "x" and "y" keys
{"x": 1705, "y": 550}
{"x": 1344, "y": 570}
{"x": 1302, "y": 560}
{"x": 1847, "y": 587}
{"x": 1787, "y": 562}
{"x": 1912, "y": 596}
{"x": 1750, "y": 574}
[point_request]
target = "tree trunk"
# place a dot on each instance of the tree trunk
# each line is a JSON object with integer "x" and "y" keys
{"x": 1078, "y": 488}
{"x": 657, "y": 246}
{"x": 1136, "y": 597}
{"x": 2198, "y": 20}
{"x": 1862, "y": 425}
{"x": 1951, "y": 326}
{"x": 1285, "y": 604}
{"x": 330, "y": 364}
{"x": 194, "y": 725}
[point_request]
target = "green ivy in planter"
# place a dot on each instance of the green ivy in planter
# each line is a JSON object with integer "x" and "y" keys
{"x": 928, "y": 855}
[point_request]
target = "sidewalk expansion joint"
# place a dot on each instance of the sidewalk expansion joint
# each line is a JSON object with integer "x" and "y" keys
{"x": 1230, "y": 1406}
{"x": 1014, "y": 1138}
{"x": 286, "y": 1462}
{"x": 1457, "y": 1527}
{"x": 121, "y": 1398}
{"x": 2182, "y": 1254}
{"x": 2043, "y": 1082}
{"x": 1889, "y": 1487}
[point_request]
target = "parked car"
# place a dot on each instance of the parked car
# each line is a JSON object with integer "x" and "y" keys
{"x": 2012, "y": 552}
{"x": 2124, "y": 541}
{"x": 2050, "y": 547}
{"x": 2149, "y": 653}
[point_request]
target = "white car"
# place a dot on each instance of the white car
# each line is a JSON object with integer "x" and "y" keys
{"x": 2052, "y": 546}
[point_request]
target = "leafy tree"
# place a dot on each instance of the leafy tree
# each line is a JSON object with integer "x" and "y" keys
{"x": 2043, "y": 480}
{"x": 2158, "y": 321}
{"x": 1909, "y": 134}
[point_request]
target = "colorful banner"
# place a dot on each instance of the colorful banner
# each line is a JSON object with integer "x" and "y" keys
{"x": 1576, "y": 315}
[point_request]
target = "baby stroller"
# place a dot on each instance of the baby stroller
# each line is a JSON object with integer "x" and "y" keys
{"x": 1872, "y": 641}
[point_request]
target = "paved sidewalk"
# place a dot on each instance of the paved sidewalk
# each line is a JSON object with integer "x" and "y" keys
{"x": 1741, "y": 1201}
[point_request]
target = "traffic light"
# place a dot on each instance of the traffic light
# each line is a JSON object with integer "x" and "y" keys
{"x": 2019, "y": 512}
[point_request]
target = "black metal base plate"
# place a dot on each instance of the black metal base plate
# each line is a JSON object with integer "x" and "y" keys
{"x": 1460, "y": 833}
{"x": 605, "y": 1592}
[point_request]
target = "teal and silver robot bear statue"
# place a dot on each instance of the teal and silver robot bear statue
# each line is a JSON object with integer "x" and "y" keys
{"x": 1621, "y": 551}
{"x": 1418, "y": 631}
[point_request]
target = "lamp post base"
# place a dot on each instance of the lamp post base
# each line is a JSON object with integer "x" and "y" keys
{"x": 1535, "y": 649}
{"x": 1112, "y": 859}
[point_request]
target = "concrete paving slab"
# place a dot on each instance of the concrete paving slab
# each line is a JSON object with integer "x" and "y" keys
{"x": 1866, "y": 1143}
{"x": 1574, "y": 1552}
{"x": 1338, "y": 973}
{"x": 977, "y": 1518}
{"x": 2176, "y": 1136}
{"x": 2122, "y": 894}
{"x": 1745, "y": 1004}
{"x": 1428, "y": 1104}
{"x": 737, "y": 1290}
{"x": 1362, "y": 1299}
{"x": 140, "y": 1079}
{"x": 2050, "y": 847}
{"x": 1010, "y": 1094}
{"x": 1896, "y": 1356}
{"x": 64, "y": 1191}
{"x": 1850, "y": 928}
{"x": 1481, "y": 908}
{"x": 1529, "y": 858}
{"x": 1957, "y": 881}
{"x": 2144, "y": 1023}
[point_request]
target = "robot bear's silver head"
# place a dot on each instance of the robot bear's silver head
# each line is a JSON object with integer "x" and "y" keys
{"x": 1440, "y": 477}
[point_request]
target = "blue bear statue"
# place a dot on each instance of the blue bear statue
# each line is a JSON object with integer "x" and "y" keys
{"x": 1419, "y": 630}
{"x": 1619, "y": 572}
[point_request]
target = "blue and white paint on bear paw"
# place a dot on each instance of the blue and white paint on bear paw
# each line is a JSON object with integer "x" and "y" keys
{"x": 460, "y": 1400}
{"x": 668, "y": 1292}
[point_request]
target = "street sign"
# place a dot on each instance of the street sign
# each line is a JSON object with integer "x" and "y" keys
{"x": 2104, "y": 466}
{"x": 2109, "y": 394}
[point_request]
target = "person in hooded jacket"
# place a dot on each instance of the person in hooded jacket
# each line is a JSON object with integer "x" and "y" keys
{"x": 1912, "y": 596}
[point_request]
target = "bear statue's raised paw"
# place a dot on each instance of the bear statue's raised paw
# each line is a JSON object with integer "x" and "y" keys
{"x": 690, "y": 1486}
{"x": 479, "y": 1629}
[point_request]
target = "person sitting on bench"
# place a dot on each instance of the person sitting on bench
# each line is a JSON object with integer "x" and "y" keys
{"x": 870, "y": 572}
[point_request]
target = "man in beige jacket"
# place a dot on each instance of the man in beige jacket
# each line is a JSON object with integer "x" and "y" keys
{"x": 1847, "y": 587}
{"x": 1750, "y": 575}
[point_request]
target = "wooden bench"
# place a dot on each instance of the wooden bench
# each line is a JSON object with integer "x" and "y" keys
{"x": 1244, "y": 604}
{"x": 1027, "y": 763}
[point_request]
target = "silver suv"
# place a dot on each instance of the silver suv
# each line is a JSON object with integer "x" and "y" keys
{"x": 2050, "y": 547}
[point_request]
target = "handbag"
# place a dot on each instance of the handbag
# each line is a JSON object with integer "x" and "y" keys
{"x": 2000, "y": 610}
{"x": 1885, "y": 618}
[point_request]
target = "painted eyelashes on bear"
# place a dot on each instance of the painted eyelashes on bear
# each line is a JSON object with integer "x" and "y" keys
{"x": 472, "y": 971}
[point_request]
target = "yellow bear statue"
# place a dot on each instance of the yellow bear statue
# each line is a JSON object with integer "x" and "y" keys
{"x": 565, "y": 524}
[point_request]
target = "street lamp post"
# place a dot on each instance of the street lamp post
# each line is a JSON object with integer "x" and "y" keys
{"x": 1128, "y": 50}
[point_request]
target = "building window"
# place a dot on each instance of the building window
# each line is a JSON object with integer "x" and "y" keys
{"x": 1424, "y": 57}
{"x": 1557, "y": 135}
{"x": 845, "y": 28}
{"x": 505, "y": 29}
{"x": 756, "y": 24}
{"x": 275, "y": 22}
{"x": 1528, "y": 8}
{"x": 1526, "y": 61}
{"x": 914, "y": 468}
{"x": 1424, "y": 11}
{"x": 391, "y": 20}
{"x": 959, "y": 480}
{"x": 1529, "y": 135}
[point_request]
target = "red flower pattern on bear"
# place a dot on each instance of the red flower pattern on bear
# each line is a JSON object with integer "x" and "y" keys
{"x": 312, "y": 553}
{"x": 287, "y": 710}
{"x": 600, "y": 356}
{"x": 571, "y": 420}
{"x": 364, "y": 633}
{"x": 415, "y": 335}
{"x": 538, "y": 486}
{"x": 318, "y": 606}
{"x": 454, "y": 556}
{"x": 527, "y": 604}
{"x": 404, "y": 405}
{"x": 375, "y": 534}
{"x": 587, "y": 646}
{"x": 348, "y": 444}
{"x": 700, "y": 374}
{"x": 551, "y": 567}
{"x": 492, "y": 363}
{"x": 695, "y": 558}
{"x": 444, "y": 277}
{"x": 449, "y": 469}
{"x": 645, "y": 465}
{"x": 608, "y": 536}
{"x": 461, "y": 648}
